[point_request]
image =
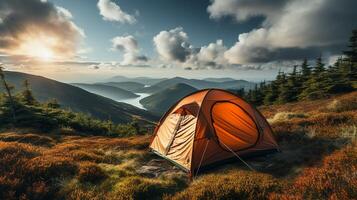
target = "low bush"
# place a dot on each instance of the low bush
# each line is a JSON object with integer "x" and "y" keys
{"x": 343, "y": 104}
{"x": 230, "y": 185}
{"x": 91, "y": 173}
{"x": 284, "y": 116}
{"x": 335, "y": 179}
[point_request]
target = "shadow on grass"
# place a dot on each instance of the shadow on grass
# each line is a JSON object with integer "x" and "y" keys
{"x": 297, "y": 152}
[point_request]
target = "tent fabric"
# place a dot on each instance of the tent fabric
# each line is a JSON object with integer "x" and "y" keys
{"x": 204, "y": 127}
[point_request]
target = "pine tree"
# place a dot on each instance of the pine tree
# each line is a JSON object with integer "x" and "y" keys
{"x": 289, "y": 89}
{"x": 316, "y": 86}
{"x": 305, "y": 69}
{"x": 52, "y": 103}
{"x": 255, "y": 95}
{"x": 319, "y": 67}
{"x": 272, "y": 91}
{"x": 8, "y": 90}
{"x": 336, "y": 79}
{"x": 27, "y": 95}
{"x": 351, "y": 53}
{"x": 349, "y": 64}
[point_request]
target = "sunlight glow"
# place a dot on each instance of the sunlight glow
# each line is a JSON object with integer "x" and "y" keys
{"x": 40, "y": 48}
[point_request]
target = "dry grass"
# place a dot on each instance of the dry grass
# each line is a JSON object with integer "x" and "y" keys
{"x": 318, "y": 161}
{"x": 232, "y": 184}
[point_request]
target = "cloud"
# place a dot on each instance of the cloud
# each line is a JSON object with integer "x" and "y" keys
{"x": 172, "y": 45}
{"x": 130, "y": 47}
{"x": 244, "y": 9}
{"x": 112, "y": 12}
{"x": 37, "y": 28}
{"x": 210, "y": 56}
{"x": 290, "y": 29}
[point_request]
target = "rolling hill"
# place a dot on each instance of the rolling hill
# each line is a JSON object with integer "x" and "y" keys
{"x": 199, "y": 84}
{"x": 111, "y": 92}
{"x": 129, "y": 86}
{"x": 161, "y": 101}
{"x": 78, "y": 99}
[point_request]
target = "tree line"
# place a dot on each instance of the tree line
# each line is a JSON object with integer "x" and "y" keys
{"x": 307, "y": 82}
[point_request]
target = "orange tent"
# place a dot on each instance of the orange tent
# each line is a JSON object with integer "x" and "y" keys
{"x": 209, "y": 126}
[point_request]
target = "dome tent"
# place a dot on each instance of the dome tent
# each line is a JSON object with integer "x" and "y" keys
{"x": 209, "y": 126}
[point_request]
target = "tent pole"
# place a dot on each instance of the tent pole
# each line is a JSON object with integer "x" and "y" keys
{"x": 204, "y": 152}
{"x": 251, "y": 168}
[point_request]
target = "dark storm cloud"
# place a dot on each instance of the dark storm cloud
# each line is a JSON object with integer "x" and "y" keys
{"x": 291, "y": 29}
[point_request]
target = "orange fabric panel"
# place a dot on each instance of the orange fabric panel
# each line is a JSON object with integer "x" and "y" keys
{"x": 233, "y": 126}
{"x": 205, "y": 128}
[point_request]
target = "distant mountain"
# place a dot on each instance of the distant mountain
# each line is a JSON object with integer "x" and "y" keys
{"x": 161, "y": 101}
{"x": 142, "y": 80}
{"x": 78, "y": 99}
{"x": 218, "y": 79}
{"x": 150, "y": 89}
{"x": 129, "y": 86}
{"x": 111, "y": 92}
{"x": 199, "y": 84}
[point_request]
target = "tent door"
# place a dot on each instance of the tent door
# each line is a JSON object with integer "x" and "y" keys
{"x": 177, "y": 127}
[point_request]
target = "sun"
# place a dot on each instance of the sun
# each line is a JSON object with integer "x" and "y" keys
{"x": 44, "y": 54}
{"x": 39, "y": 49}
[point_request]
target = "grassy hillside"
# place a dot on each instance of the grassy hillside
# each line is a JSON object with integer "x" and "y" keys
{"x": 161, "y": 101}
{"x": 199, "y": 84}
{"x": 77, "y": 99}
{"x": 129, "y": 86}
{"x": 111, "y": 92}
{"x": 318, "y": 140}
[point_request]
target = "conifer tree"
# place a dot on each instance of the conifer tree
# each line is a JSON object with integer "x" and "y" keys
{"x": 8, "y": 90}
{"x": 305, "y": 69}
{"x": 272, "y": 92}
{"x": 27, "y": 95}
{"x": 351, "y": 53}
{"x": 316, "y": 86}
{"x": 288, "y": 91}
{"x": 348, "y": 67}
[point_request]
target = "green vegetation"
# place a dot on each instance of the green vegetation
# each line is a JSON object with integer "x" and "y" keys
{"x": 317, "y": 138}
{"x": 76, "y": 99}
{"x": 318, "y": 161}
{"x": 22, "y": 110}
{"x": 161, "y": 101}
{"x": 309, "y": 83}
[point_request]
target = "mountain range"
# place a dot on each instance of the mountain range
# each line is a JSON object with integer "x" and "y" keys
{"x": 77, "y": 99}
{"x": 142, "y": 80}
{"x": 161, "y": 101}
{"x": 108, "y": 91}
{"x": 164, "y": 83}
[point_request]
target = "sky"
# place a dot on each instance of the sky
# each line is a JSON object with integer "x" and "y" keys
{"x": 91, "y": 40}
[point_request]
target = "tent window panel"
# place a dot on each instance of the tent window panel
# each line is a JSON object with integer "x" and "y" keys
{"x": 233, "y": 126}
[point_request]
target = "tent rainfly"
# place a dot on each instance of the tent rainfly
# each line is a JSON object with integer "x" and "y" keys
{"x": 209, "y": 126}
